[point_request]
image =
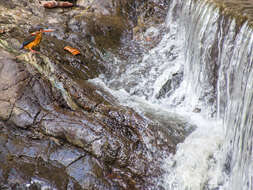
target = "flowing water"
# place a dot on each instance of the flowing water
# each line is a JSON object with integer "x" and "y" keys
{"x": 200, "y": 72}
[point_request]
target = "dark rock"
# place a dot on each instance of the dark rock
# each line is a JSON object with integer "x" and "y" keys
{"x": 171, "y": 85}
{"x": 66, "y": 155}
{"x": 105, "y": 21}
{"x": 26, "y": 163}
{"x": 88, "y": 172}
{"x": 13, "y": 78}
{"x": 106, "y": 30}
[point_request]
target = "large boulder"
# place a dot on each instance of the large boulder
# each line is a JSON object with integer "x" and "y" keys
{"x": 116, "y": 139}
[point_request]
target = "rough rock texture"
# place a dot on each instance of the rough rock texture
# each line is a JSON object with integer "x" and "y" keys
{"x": 28, "y": 162}
{"x": 57, "y": 129}
{"x": 115, "y": 139}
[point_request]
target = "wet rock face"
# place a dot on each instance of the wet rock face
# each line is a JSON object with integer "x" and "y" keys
{"x": 170, "y": 86}
{"x": 106, "y": 30}
{"x": 103, "y": 147}
{"x": 53, "y": 121}
{"x": 112, "y": 138}
{"x": 13, "y": 78}
{"x": 29, "y": 162}
{"x": 105, "y": 21}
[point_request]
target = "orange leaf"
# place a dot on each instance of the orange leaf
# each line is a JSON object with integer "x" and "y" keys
{"x": 72, "y": 50}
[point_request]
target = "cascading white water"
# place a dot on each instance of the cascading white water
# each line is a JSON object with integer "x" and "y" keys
{"x": 203, "y": 62}
{"x": 219, "y": 57}
{"x": 238, "y": 110}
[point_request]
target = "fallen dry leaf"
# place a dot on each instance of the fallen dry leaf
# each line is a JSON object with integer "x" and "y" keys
{"x": 72, "y": 50}
{"x": 1, "y": 31}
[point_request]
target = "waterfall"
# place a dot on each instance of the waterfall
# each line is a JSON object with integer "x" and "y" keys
{"x": 202, "y": 64}
{"x": 218, "y": 71}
